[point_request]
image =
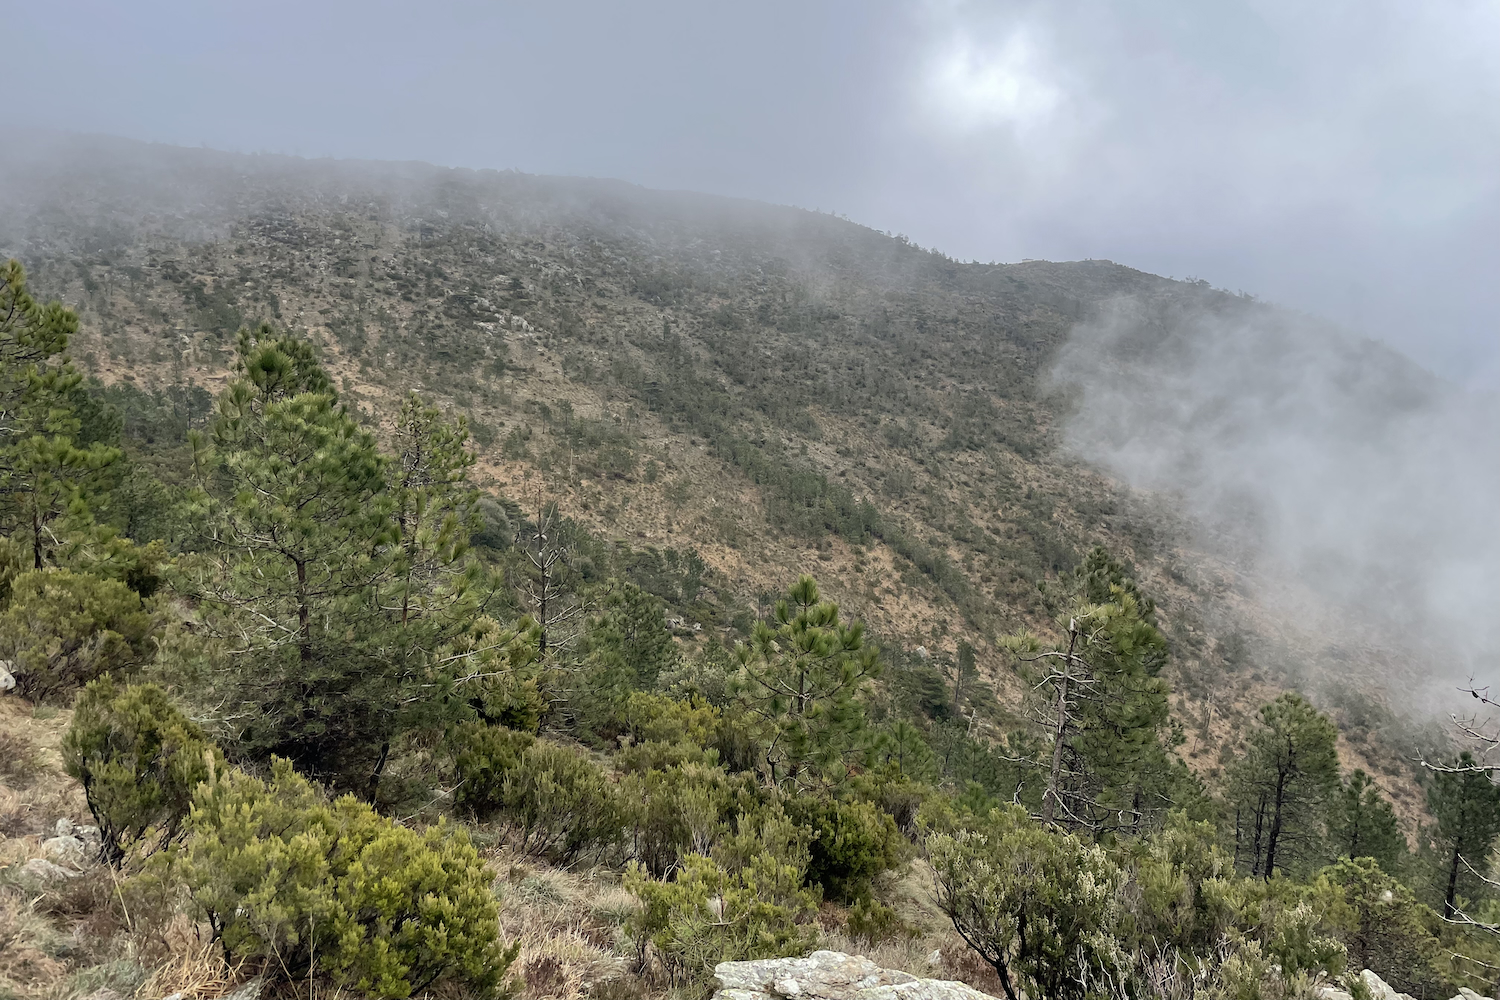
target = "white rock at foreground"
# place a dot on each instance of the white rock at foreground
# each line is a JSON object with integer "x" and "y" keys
{"x": 831, "y": 975}
{"x": 1380, "y": 990}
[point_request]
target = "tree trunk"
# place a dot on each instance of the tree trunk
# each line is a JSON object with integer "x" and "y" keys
{"x": 1275, "y": 838}
{"x": 1449, "y": 909}
{"x": 1049, "y": 798}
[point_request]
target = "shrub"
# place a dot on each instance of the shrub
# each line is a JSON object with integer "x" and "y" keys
{"x": 555, "y": 803}
{"x": 63, "y": 629}
{"x": 139, "y": 760}
{"x": 1166, "y": 899}
{"x": 873, "y": 922}
{"x": 1384, "y": 928}
{"x": 748, "y": 901}
{"x": 1038, "y": 907}
{"x": 660, "y": 719}
{"x": 852, "y": 842}
{"x": 681, "y": 810}
{"x": 305, "y": 886}
{"x": 486, "y": 755}
{"x": 495, "y": 670}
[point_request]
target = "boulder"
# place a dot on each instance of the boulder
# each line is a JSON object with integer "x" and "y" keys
{"x": 1379, "y": 989}
{"x": 831, "y": 975}
{"x": 1464, "y": 993}
{"x": 67, "y": 850}
{"x": 7, "y": 679}
{"x": 39, "y": 874}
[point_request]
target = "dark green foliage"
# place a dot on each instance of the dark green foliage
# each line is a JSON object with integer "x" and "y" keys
{"x": 873, "y": 922}
{"x": 800, "y": 681}
{"x": 852, "y": 843}
{"x": 1174, "y": 878}
{"x": 1465, "y": 801}
{"x": 1104, "y": 705}
{"x": 139, "y": 760}
{"x": 306, "y": 529}
{"x": 554, "y": 803}
{"x": 625, "y": 647}
{"x": 1362, "y": 824}
{"x": 1280, "y": 788}
{"x": 1384, "y": 928}
{"x": 747, "y": 901}
{"x": 301, "y": 886}
{"x": 47, "y": 462}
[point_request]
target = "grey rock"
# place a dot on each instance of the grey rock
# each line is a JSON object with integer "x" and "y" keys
{"x": 249, "y": 990}
{"x": 1379, "y": 989}
{"x": 1333, "y": 993}
{"x": 64, "y": 850}
{"x": 1464, "y": 993}
{"x": 831, "y": 975}
{"x": 39, "y": 873}
{"x": 7, "y": 679}
{"x": 64, "y": 827}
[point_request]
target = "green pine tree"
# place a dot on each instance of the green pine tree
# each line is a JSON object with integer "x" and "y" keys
{"x": 1104, "y": 706}
{"x": 44, "y": 469}
{"x": 1362, "y": 824}
{"x": 1465, "y": 801}
{"x": 799, "y": 681}
{"x": 306, "y": 544}
{"x": 1281, "y": 787}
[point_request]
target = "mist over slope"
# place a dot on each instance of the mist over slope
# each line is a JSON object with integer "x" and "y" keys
{"x": 784, "y": 391}
{"x": 1333, "y": 466}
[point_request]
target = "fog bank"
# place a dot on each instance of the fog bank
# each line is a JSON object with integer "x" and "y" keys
{"x": 1312, "y": 459}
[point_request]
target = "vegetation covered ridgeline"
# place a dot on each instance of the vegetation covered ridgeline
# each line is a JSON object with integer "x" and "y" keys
{"x": 345, "y": 722}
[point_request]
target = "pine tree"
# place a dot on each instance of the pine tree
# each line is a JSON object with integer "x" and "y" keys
{"x": 800, "y": 681}
{"x": 305, "y": 541}
{"x": 1104, "y": 705}
{"x": 1465, "y": 801}
{"x": 1362, "y": 824}
{"x": 44, "y": 470}
{"x": 1282, "y": 785}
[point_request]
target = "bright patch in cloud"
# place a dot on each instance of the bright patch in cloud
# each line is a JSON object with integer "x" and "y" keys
{"x": 979, "y": 88}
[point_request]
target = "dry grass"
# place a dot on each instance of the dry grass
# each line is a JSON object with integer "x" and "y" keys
{"x": 571, "y": 930}
{"x": 197, "y": 973}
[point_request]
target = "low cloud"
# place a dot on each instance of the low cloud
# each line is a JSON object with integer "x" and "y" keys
{"x": 1321, "y": 463}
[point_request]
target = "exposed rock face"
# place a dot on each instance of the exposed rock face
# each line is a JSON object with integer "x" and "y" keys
{"x": 831, "y": 975}
{"x": 1381, "y": 990}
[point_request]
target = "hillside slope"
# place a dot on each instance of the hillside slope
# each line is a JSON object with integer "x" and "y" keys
{"x": 777, "y": 390}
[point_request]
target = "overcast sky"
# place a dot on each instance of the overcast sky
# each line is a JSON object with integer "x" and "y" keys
{"x": 1341, "y": 156}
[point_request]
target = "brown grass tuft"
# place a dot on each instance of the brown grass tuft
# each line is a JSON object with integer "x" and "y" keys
{"x": 200, "y": 973}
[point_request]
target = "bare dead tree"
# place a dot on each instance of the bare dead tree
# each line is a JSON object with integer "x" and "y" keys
{"x": 552, "y": 606}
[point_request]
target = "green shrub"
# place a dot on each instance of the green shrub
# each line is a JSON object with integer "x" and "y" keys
{"x": 681, "y": 810}
{"x": 660, "y": 719}
{"x": 873, "y": 922}
{"x": 303, "y": 886}
{"x": 139, "y": 760}
{"x": 852, "y": 842}
{"x": 1039, "y": 907}
{"x": 485, "y": 756}
{"x": 63, "y": 629}
{"x": 555, "y": 803}
{"x": 1384, "y": 928}
{"x": 1166, "y": 901}
{"x": 748, "y": 901}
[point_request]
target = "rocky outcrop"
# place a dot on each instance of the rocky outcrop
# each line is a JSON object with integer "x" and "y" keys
{"x": 831, "y": 975}
{"x": 1379, "y": 989}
